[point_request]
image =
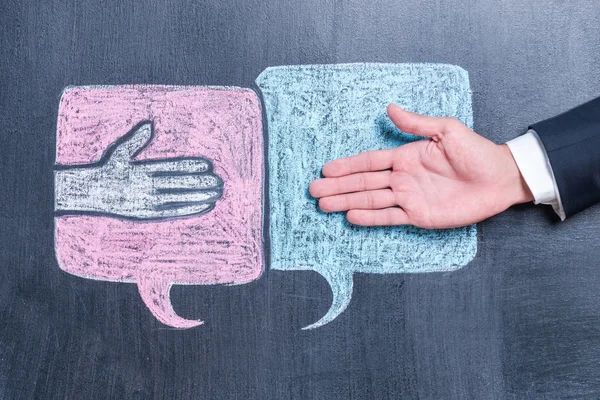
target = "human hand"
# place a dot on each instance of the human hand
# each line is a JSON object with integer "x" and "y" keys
{"x": 453, "y": 178}
{"x": 118, "y": 185}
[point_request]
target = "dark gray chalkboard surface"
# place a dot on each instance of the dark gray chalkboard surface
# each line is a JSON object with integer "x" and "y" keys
{"x": 521, "y": 321}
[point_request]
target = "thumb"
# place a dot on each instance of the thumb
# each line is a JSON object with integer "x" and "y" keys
{"x": 132, "y": 143}
{"x": 417, "y": 124}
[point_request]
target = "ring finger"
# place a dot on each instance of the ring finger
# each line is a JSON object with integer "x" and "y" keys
{"x": 359, "y": 182}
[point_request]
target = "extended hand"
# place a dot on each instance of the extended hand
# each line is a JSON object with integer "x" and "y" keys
{"x": 118, "y": 185}
{"x": 454, "y": 178}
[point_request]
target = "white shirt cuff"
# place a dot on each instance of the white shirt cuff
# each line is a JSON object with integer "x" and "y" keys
{"x": 533, "y": 163}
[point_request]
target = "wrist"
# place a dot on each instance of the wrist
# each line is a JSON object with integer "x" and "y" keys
{"x": 513, "y": 186}
{"x": 73, "y": 190}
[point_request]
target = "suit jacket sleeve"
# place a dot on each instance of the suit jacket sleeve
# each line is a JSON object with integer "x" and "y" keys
{"x": 572, "y": 143}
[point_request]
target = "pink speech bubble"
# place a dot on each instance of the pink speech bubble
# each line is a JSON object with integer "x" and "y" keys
{"x": 223, "y": 246}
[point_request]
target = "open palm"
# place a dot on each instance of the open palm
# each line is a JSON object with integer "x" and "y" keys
{"x": 453, "y": 178}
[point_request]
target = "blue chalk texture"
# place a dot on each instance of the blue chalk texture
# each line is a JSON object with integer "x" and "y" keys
{"x": 317, "y": 113}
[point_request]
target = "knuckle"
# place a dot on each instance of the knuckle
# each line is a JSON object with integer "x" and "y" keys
{"x": 368, "y": 161}
{"x": 344, "y": 202}
{"x": 348, "y": 164}
{"x": 370, "y": 200}
{"x": 362, "y": 182}
{"x": 415, "y": 127}
{"x": 337, "y": 185}
{"x": 387, "y": 219}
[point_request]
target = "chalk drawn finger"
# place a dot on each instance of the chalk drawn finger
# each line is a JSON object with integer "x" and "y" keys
{"x": 371, "y": 200}
{"x": 351, "y": 183}
{"x": 182, "y": 208}
{"x": 367, "y": 161}
{"x": 197, "y": 181}
{"x": 182, "y": 166}
{"x": 186, "y": 195}
{"x": 386, "y": 217}
{"x": 131, "y": 144}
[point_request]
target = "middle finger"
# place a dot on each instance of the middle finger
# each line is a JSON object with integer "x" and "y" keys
{"x": 351, "y": 183}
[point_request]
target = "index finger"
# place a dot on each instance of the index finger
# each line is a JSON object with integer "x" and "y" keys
{"x": 368, "y": 161}
{"x": 169, "y": 166}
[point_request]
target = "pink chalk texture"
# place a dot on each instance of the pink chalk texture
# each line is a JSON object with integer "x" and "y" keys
{"x": 223, "y": 246}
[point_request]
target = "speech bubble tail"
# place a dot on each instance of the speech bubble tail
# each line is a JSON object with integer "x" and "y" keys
{"x": 155, "y": 294}
{"x": 341, "y": 284}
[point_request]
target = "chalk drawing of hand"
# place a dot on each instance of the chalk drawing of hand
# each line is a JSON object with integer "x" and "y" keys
{"x": 118, "y": 185}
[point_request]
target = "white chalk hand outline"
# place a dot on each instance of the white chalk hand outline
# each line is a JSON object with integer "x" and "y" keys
{"x": 120, "y": 186}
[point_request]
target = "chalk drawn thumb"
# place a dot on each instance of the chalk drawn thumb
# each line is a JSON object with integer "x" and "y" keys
{"x": 126, "y": 148}
{"x": 341, "y": 283}
{"x": 150, "y": 189}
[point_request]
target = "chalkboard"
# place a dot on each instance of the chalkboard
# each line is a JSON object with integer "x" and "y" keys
{"x": 521, "y": 320}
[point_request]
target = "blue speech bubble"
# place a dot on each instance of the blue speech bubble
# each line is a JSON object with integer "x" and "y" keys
{"x": 318, "y": 113}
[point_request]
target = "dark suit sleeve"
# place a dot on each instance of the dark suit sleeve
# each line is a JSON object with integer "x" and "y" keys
{"x": 572, "y": 142}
